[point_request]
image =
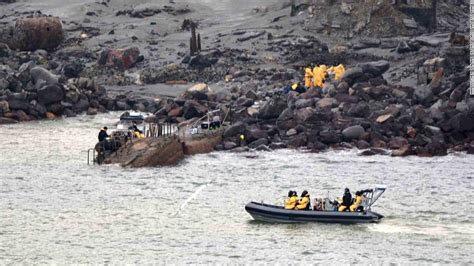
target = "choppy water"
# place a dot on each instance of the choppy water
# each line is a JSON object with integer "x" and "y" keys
{"x": 55, "y": 208}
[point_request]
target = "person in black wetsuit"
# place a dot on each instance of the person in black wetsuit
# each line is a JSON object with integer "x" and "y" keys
{"x": 346, "y": 201}
{"x": 103, "y": 134}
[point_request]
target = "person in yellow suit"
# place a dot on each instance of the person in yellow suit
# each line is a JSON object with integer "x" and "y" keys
{"x": 339, "y": 72}
{"x": 319, "y": 73}
{"x": 357, "y": 202}
{"x": 303, "y": 203}
{"x": 292, "y": 200}
{"x": 308, "y": 76}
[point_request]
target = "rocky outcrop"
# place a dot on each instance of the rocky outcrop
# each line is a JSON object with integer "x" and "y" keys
{"x": 148, "y": 152}
{"x": 203, "y": 144}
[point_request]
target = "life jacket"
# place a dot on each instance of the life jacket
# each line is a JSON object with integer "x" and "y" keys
{"x": 290, "y": 203}
{"x": 303, "y": 204}
{"x": 357, "y": 203}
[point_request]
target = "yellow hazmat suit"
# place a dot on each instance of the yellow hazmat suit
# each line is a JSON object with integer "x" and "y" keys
{"x": 307, "y": 77}
{"x": 357, "y": 203}
{"x": 319, "y": 73}
{"x": 290, "y": 203}
{"x": 317, "y": 81}
{"x": 339, "y": 71}
{"x": 138, "y": 135}
{"x": 303, "y": 203}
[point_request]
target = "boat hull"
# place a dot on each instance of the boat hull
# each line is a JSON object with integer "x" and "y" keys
{"x": 276, "y": 214}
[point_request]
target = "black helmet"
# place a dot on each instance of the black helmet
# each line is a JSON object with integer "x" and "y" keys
{"x": 304, "y": 193}
{"x": 105, "y": 128}
{"x": 290, "y": 193}
{"x": 346, "y": 190}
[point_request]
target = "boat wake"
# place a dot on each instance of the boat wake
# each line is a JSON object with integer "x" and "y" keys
{"x": 192, "y": 197}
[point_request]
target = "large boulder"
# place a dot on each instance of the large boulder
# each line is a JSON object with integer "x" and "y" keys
{"x": 272, "y": 108}
{"x": 353, "y": 132}
{"x": 376, "y": 68}
{"x": 202, "y": 61}
{"x": 17, "y": 104}
{"x": 50, "y": 94}
{"x": 329, "y": 136}
{"x": 149, "y": 152}
{"x": 193, "y": 109}
{"x": 6, "y": 120}
{"x": 360, "y": 109}
{"x": 352, "y": 74}
{"x": 234, "y": 129}
{"x": 463, "y": 122}
{"x": 38, "y": 73}
{"x": 258, "y": 142}
{"x": 397, "y": 143}
{"x": 254, "y": 133}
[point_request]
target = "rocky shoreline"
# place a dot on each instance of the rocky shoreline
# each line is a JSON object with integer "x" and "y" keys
{"x": 409, "y": 94}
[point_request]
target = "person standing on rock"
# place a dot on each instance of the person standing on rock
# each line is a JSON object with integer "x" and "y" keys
{"x": 103, "y": 134}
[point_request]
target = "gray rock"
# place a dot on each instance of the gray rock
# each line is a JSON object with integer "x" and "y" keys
{"x": 287, "y": 114}
{"x": 272, "y": 109}
{"x": 39, "y": 73}
{"x": 352, "y": 73}
{"x": 329, "y": 136}
{"x": 410, "y": 23}
{"x": 397, "y": 143}
{"x": 302, "y": 103}
{"x": 5, "y": 121}
{"x": 15, "y": 104}
{"x": 291, "y": 132}
{"x": 50, "y": 94}
{"x": 360, "y": 109}
{"x": 462, "y": 106}
{"x": 234, "y": 129}
{"x": 257, "y": 143}
{"x": 229, "y": 145}
{"x": 375, "y": 68}
{"x": 423, "y": 94}
{"x": 327, "y": 103}
{"x": 432, "y": 131}
{"x": 4, "y": 107}
{"x": 353, "y": 132}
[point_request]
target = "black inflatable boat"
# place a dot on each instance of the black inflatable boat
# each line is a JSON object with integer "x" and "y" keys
{"x": 277, "y": 214}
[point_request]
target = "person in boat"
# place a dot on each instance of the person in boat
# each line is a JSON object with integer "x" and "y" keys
{"x": 346, "y": 201}
{"x": 292, "y": 200}
{"x": 103, "y": 134}
{"x": 356, "y": 206}
{"x": 303, "y": 203}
